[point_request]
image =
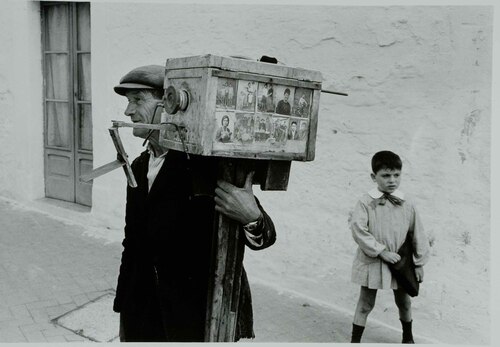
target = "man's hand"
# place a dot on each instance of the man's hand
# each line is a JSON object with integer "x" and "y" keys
{"x": 390, "y": 257}
{"x": 419, "y": 273}
{"x": 237, "y": 203}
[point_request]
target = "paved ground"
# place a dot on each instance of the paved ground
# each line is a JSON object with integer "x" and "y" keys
{"x": 48, "y": 268}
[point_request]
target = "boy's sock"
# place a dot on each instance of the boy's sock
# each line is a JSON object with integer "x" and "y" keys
{"x": 357, "y": 331}
{"x": 407, "y": 334}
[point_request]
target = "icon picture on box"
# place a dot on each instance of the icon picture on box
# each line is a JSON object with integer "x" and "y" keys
{"x": 303, "y": 130}
{"x": 262, "y": 127}
{"x": 293, "y": 130}
{"x": 279, "y": 129}
{"x": 244, "y": 128}
{"x": 265, "y": 99}
{"x": 226, "y": 93}
{"x": 247, "y": 95}
{"x": 284, "y": 95}
{"x": 302, "y": 102}
{"x": 225, "y": 129}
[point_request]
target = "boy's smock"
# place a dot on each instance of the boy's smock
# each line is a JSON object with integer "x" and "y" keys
{"x": 376, "y": 225}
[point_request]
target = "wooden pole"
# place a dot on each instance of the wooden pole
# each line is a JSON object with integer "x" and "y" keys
{"x": 122, "y": 156}
{"x": 227, "y": 262}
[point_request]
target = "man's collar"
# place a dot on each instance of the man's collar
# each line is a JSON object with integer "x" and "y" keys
{"x": 152, "y": 152}
{"x": 377, "y": 194}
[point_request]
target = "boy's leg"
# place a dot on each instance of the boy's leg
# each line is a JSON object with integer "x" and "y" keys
{"x": 403, "y": 302}
{"x": 365, "y": 305}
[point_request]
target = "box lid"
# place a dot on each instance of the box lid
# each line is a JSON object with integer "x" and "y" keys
{"x": 243, "y": 65}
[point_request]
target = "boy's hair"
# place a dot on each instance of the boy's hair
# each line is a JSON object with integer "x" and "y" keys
{"x": 386, "y": 160}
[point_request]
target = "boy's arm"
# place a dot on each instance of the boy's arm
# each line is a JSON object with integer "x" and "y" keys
{"x": 359, "y": 228}
{"x": 421, "y": 248}
{"x": 390, "y": 257}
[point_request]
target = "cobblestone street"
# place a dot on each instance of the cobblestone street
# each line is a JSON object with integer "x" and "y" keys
{"x": 49, "y": 268}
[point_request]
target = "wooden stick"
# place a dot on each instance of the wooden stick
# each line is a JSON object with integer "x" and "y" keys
{"x": 332, "y": 92}
{"x": 121, "y": 124}
{"x": 227, "y": 264}
{"x": 113, "y": 131}
{"x": 101, "y": 170}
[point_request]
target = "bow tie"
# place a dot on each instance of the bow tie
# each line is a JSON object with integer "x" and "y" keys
{"x": 393, "y": 199}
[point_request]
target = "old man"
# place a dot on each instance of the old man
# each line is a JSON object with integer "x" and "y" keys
{"x": 164, "y": 273}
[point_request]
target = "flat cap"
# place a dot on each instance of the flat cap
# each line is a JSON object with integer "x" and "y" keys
{"x": 143, "y": 77}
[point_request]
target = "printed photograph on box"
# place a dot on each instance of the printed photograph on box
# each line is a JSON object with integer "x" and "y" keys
{"x": 279, "y": 129}
{"x": 296, "y": 138}
{"x": 284, "y": 95}
{"x": 302, "y": 102}
{"x": 293, "y": 130}
{"x": 225, "y": 127}
{"x": 303, "y": 129}
{"x": 265, "y": 97}
{"x": 247, "y": 95}
{"x": 244, "y": 128}
{"x": 262, "y": 127}
{"x": 175, "y": 133}
{"x": 226, "y": 93}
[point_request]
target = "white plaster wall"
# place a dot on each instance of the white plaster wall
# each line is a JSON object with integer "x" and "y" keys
{"x": 419, "y": 83}
{"x": 21, "y": 108}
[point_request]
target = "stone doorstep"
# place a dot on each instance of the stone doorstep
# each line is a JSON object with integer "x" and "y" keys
{"x": 94, "y": 320}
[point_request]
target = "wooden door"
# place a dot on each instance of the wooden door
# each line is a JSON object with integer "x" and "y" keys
{"x": 67, "y": 98}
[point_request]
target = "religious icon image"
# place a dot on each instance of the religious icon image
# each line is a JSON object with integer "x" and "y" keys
{"x": 225, "y": 130}
{"x": 285, "y": 96}
{"x": 302, "y": 102}
{"x": 262, "y": 127}
{"x": 226, "y": 93}
{"x": 279, "y": 128}
{"x": 265, "y": 98}
{"x": 244, "y": 128}
{"x": 247, "y": 95}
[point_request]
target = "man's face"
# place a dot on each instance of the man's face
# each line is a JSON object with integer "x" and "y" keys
{"x": 285, "y": 97}
{"x": 140, "y": 109}
{"x": 387, "y": 180}
{"x": 294, "y": 126}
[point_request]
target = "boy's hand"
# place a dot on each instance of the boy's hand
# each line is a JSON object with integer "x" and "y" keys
{"x": 419, "y": 273}
{"x": 390, "y": 257}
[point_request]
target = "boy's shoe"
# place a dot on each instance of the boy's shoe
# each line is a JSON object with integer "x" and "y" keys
{"x": 408, "y": 340}
{"x": 407, "y": 333}
{"x": 357, "y": 332}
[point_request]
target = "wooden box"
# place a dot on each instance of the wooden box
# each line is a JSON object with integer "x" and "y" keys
{"x": 230, "y": 107}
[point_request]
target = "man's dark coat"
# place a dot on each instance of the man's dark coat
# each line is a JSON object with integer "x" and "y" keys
{"x": 167, "y": 248}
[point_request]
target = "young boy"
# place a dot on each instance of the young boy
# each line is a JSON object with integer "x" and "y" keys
{"x": 379, "y": 224}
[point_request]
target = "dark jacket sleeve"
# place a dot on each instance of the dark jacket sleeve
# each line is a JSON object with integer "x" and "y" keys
{"x": 266, "y": 229}
{"x": 131, "y": 240}
{"x": 127, "y": 244}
